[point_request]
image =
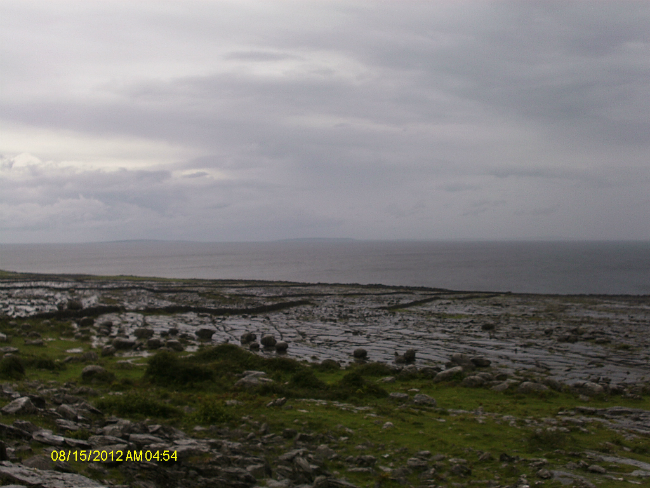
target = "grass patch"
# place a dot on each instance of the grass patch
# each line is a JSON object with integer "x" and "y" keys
{"x": 137, "y": 405}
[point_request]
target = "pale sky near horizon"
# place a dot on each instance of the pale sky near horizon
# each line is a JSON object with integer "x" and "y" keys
{"x": 253, "y": 120}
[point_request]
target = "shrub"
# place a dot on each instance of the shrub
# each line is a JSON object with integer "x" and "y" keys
{"x": 327, "y": 365}
{"x": 374, "y": 369}
{"x": 547, "y": 439}
{"x": 136, "y": 404}
{"x": 308, "y": 380}
{"x": 11, "y": 368}
{"x": 210, "y": 412}
{"x": 166, "y": 369}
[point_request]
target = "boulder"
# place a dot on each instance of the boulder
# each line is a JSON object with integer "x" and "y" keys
{"x": 20, "y": 406}
{"x": 473, "y": 382}
{"x": 409, "y": 356}
{"x": 447, "y": 374}
{"x": 424, "y": 400}
{"x": 360, "y": 353}
{"x": 25, "y": 476}
{"x": 123, "y": 343}
{"x": 254, "y": 346}
{"x": 94, "y": 372}
{"x": 589, "y": 388}
{"x": 480, "y": 362}
{"x": 281, "y": 347}
{"x": 154, "y": 343}
{"x": 247, "y": 338}
{"x": 143, "y": 333}
{"x": 205, "y": 334}
{"x": 398, "y": 396}
{"x": 462, "y": 360}
{"x": 268, "y": 341}
{"x": 74, "y": 305}
{"x": 67, "y": 412}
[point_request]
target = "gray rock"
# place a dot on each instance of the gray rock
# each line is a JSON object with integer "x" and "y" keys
{"x": 481, "y": 362}
{"x": 589, "y": 388}
{"x": 268, "y": 341}
{"x": 45, "y": 436}
{"x": 67, "y": 412}
{"x": 143, "y": 333}
{"x": 154, "y": 343}
{"x": 426, "y": 400}
{"x": 281, "y": 347}
{"x": 108, "y": 351}
{"x": 20, "y": 406}
{"x": 122, "y": 343}
{"x": 32, "y": 477}
{"x": 401, "y": 397}
{"x": 472, "y": 382}
{"x": 409, "y": 356}
{"x": 254, "y": 346}
{"x": 94, "y": 371}
{"x": 462, "y": 360}
{"x": 360, "y": 353}
{"x": 144, "y": 439}
{"x": 594, "y": 468}
{"x": 205, "y": 334}
{"x": 447, "y": 374}
{"x": 417, "y": 464}
{"x": 247, "y": 338}
{"x": 3, "y": 337}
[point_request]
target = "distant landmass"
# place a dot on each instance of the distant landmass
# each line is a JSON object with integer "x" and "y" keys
{"x": 318, "y": 239}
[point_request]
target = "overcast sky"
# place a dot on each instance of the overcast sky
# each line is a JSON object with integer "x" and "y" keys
{"x": 260, "y": 120}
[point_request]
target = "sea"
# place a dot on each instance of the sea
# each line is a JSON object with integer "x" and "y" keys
{"x": 575, "y": 267}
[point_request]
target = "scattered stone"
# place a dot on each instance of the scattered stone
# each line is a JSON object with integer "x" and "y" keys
{"x": 268, "y": 340}
{"x": 205, "y": 334}
{"x": 20, "y": 406}
{"x": 360, "y": 353}
{"x": 95, "y": 372}
{"x": 247, "y": 338}
{"x": 481, "y": 362}
{"x": 121, "y": 343}
{"x": 472, "y": 382}
{"x": 402, "y": 397}
{"x": 425, "y": 400}
{"x": 281, "y": 347}
{"x": 447, "y": 374}
{"x": 143, "y": 333}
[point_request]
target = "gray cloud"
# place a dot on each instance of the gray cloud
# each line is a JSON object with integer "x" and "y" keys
{"x": 364, "y": 119}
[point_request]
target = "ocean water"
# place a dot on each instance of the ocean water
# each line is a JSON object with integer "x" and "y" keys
{"x": 520, "y": 267}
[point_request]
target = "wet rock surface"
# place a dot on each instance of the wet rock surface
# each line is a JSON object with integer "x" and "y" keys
{"x": 609, "y": 337}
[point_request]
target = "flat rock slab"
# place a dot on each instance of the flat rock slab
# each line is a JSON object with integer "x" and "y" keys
{"x": 13, "y": 473}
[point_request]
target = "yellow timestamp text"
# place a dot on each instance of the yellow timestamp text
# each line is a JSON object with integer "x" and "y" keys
{"x": 98, "y": 455}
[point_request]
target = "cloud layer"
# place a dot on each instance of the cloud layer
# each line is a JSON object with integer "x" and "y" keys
{"x": 258, "y": 120}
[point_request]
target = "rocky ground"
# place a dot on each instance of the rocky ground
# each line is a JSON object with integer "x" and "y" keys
{"x": 590, "y": 346}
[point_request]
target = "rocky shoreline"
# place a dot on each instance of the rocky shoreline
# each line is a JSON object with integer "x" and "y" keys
{"x": 589, "y": 346}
